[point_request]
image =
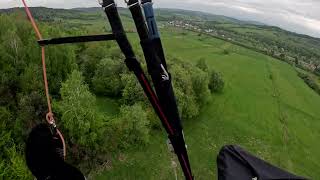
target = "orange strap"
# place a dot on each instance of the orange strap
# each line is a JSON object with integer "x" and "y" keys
{"x": 49, "y": 116}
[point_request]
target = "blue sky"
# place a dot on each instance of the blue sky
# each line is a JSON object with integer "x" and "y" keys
{"x": 301, "y": 16}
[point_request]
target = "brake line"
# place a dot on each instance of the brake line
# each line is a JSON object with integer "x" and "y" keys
{"x": 49, "y": 115}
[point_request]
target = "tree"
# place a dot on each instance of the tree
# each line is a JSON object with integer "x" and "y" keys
{"x": 216, "y": 82}
{"x": 317, "y": 71}
{"x": 31, "y": 79}
{"x": 200, "y": 83}
{"x": 132, "y": 126}
{"x": 12, "y": 164}
{"x": 89, "y": 56}
{"x": 132, "y": 91}
{"x": 32, "y": 108}
{"x": 60, "y": 63}
{"x": 107, "y": 78}
{"x": 202, "y": 64}
{"x": 80, "y": 118}
{"x": 184, "y": 91}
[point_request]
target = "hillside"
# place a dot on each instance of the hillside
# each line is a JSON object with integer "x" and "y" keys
{"x": 297, "y": 49}
{"x": 265, "y": 107}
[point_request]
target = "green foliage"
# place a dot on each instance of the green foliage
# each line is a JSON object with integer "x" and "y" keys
{"x": 190, "y": 85}
{"x": 310, "y": 81}
{"x": 12, "y": 164}
{"x": 201, "y": 84}
{"x": 226, "y": 51}
{"x": 31, "y": 79}
{"x": 80, "y": 119}
{"x": 107, "y": 78}
{"x": 216, "y": 82}
{"x": 317, "y": 71}
{"x": 58, "y": 57}
{"x": 89, "y": 57}
{"x": 132, "y": 91}
{"x": 132, "y": 126}
{"x": 202, "y": 64}
{"x": 32, "y": 109}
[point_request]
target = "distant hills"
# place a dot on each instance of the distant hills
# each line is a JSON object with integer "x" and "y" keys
{"x": 296, "y": 49}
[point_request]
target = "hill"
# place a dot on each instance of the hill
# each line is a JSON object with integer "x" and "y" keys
{"x": 300, "y": 50}
{"x": 297, "y": 49}
{"x": 265, "y": 107}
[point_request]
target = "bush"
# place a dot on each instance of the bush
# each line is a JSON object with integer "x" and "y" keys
{"x": 107, "y": 78}
{"x": 12, "y": 164}
{"x": 183, "y": 87}
{"x": 131, "y": 126}
{"x": 202, "y": 64}
{"x": 226, "y": 52}
{"x": 80, "y": 119}
{"x": 216, "y": 82}
{"x": 310, "y": 81}
{"x": 317, "y": 71}
{"x": 132, "y": 91}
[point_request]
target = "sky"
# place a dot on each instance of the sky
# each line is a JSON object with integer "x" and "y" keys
{"x": 301, "y": 16}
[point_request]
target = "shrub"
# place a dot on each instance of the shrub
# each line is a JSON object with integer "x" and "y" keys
{"x": 202, "y": 64}
{"x": 12, "y": 164}
{"x": 226, "y": 52}
{"x": 131, "y": 126}
{"x": 183, "y": 87}
{"x": 107, "y": 78}
{"x": 317, "y": 71}
{"x": 216, "y": 83}
{"x": 310, "y": 81}
{"x": 132, "y": 91}
{"x": 79, "y": 117}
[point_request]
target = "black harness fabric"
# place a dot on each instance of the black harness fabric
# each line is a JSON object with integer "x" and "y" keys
{"x": 234, "y": 163}
{"x": 44, "y": 156}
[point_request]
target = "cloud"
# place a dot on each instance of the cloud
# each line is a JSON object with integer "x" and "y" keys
{"x": 310, "y": 23}
{"x": 294, "y": 15}
{"x": 247, "y": 9}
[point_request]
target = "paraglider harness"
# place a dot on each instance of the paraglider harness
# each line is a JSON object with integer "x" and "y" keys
{"x": 162, "y": 99}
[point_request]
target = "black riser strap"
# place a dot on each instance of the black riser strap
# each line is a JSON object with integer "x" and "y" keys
{"x": 163, "y": 86}
{"x": 117, "y": 29}
{"x": 165, "y": 94}
{"x": 138, "y": 18}
{"x": 157, "y": 44}
{"x": 134, "y": 65}
{"x": 179, "y": 147}
{"x": 77, "y": 39}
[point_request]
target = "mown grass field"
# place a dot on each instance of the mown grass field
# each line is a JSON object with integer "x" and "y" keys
{"x": 265, "y": 107}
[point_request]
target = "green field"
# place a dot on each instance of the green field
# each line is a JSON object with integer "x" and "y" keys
{"x": 265, "y": 107}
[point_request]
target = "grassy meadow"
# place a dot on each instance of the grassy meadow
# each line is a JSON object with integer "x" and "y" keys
{"x": 265, "y": 107}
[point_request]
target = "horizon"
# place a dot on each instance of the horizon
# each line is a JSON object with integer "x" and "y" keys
{"x": 253, "y": 21}
{"x": 294, "y": 16}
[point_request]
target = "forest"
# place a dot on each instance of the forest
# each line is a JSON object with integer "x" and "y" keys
{"x": 79, "y": 77}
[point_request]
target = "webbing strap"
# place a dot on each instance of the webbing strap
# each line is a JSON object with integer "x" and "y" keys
{"x": 77, "y": 39}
